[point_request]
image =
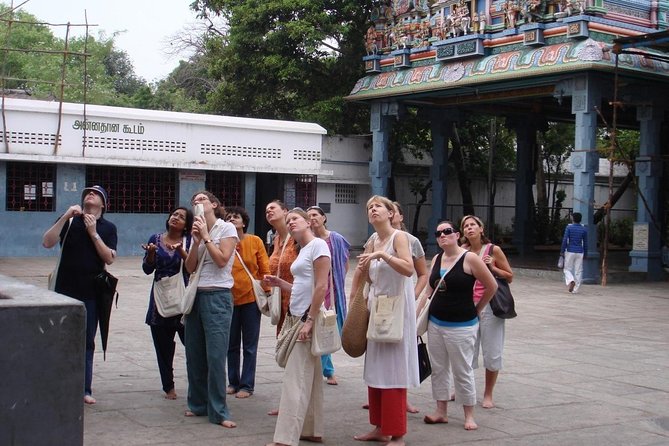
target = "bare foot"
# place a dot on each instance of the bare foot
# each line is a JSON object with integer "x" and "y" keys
{"x": 435, "y": 419}
{"x": 487, "y": 403}
{"x": 228, "y": 423}
{"x": 243, "y": 394}
{"x": 411, "y": 408}
{"x": 276, "y": 444}
{"x": 189, "y": 413}
{"x": 365, "y": 406}
{"x": 311, "y": 438}
{"x": 273, "y": 412}
{"x": 231, "y": 390}
{"x": 171, "y": 395}
{"x": 332, "y": 380}
{"x": 396, "y": 441}
{"x": 374, "y": 435}
{"x": 470, "y": 425}
{"x": 88, "y": 399}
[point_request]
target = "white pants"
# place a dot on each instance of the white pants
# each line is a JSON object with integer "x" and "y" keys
{"x": 490, "y": 341}
{"x": 573, "y": 268}
{"x": 452, "y": 348}
{"x": 301, "y": 406}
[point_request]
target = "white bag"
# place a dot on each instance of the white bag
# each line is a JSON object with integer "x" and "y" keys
{"x": 258, "y": 291}
{"x": 560, "y": 263}
{"x": 275, "y": 295}
{"x": 274, "y": 304}
{"x": 325, "y": 337}
{"x": 168, "y": 294}
{"x": 423, "y": 317}
{"x": 386, "y": 319}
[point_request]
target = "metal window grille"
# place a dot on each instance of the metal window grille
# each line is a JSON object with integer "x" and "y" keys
{"x": 227, "y": 186}
{"x": 305, "y": 191}
{"x": 30, "y": 187}
{"x": 134, "y": 190}
{"x": 346, "y": 193}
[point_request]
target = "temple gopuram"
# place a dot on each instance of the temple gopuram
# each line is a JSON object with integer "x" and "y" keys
{"x": 531, "y": 62}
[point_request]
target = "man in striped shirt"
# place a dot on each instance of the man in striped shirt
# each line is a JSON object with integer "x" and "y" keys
{"x": 575, "y": 249}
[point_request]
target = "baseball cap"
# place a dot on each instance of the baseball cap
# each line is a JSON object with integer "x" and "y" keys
{"x": 98, "y": 190}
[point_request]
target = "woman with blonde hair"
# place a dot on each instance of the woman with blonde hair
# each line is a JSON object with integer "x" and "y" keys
{"x": 491, "y": 328}
{"x": 390, "y": 368}
{"x": 301, "y": 407}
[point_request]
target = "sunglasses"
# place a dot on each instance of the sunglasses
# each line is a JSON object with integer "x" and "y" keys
{"x": 447, "y": 231}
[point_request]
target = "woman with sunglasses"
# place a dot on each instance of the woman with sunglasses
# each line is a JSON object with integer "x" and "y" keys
{"x": 301, "y": 406}
{"x": 164, "y": 253}
{"x": 390, "y": 368}
{"x": 453, "y": 322}
{"x": 491, "y": 329}
{"x": 339, "y": 251}
{"x": 207, "y": 326}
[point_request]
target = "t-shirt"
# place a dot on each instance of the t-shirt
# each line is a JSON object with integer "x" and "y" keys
{"x": 211, "y": 275}
{"x": 303, "y": 275}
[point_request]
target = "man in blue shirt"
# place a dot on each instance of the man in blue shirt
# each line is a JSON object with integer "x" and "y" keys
{"x": 575, "y": 249}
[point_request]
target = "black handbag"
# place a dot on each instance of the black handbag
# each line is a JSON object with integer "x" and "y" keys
{"x": 424, "y": 366}
{"x": 502, "y": 303}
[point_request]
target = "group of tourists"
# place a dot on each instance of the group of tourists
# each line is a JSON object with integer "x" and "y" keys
{"x": 308, "y": 263}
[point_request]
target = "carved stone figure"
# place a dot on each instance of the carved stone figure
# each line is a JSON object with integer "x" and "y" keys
{"x": 511, "y": 10}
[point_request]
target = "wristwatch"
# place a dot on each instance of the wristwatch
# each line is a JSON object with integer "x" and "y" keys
{"x": 96, "y": 237}
{"x": 207, "y": 241}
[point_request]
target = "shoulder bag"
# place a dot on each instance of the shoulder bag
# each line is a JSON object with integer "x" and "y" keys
{"x": 287, "y": 338}
{"x": 502, "y": 303}
{"x": 424, "y": 364}
{"x": 169, "y": 291}
{"x": 275, "y": 295}
{"x": 53, "y": 275}
{"x": 258, "y": 291}
{"x": 325, "y": 337}
{"x": 354, "y": 331}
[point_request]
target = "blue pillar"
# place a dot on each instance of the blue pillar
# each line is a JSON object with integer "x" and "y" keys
{"x": 526, "y": 139}
{"x": 382, "y": 116}
{"x": 250, "y": 199}
{"x": 441, "y": 129}
{"x": 646, "y": 250}
{"x": 585, "y": 164}
{"x": 190, "y": 181}
{"x": 70, "y": 182}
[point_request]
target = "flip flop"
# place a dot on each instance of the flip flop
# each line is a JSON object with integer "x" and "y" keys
{"x": 440, "y": 420}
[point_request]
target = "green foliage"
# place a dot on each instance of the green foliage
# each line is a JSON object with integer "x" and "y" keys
{"x": 291, "y": 60}
{"x": 620, "y": 232}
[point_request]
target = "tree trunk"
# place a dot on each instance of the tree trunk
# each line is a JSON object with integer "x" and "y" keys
{"x": 601, "y": 212}
{"x": 463, "y": 179}
{"x": 423, "y": 199}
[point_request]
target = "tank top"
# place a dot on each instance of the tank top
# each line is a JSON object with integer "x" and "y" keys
{"x": 453, "y": 300}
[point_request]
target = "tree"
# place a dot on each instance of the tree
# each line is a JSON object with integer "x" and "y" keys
{"x": 288, "y": 60}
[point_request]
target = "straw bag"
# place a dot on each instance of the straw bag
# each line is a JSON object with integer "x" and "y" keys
{"x": 275, "y": 295}
{"x": 354, "y": 331}
{"x": 258, "y": 291}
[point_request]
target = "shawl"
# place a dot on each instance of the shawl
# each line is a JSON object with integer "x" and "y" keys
{"x": 339, "y": 249}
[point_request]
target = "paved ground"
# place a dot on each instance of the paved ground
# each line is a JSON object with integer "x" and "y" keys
{"x": 586, "y": 369}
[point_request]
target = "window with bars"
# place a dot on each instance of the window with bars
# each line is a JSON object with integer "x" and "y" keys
{"x": 134, "y": 190}
{"x": 346, "y": 193}
{"x": 30, "y": 187}
{"x": 227, "y": 186}
{"x": 305, "y": 191}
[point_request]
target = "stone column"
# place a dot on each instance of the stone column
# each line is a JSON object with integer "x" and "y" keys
{"x": 526, "y": 138}
{"x": 585, "y": 164}
{"x": 646, "y": 250}
{"x": 383, "y": 114}
{"x": 441, "y": 129}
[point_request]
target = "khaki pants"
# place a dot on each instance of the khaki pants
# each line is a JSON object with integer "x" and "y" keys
{"x": 301, "y": 406}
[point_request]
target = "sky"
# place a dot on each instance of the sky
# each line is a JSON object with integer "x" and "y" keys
{"x": 146, "y": 26}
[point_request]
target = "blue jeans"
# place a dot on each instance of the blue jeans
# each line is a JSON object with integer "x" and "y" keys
{"x": 245, "y": 329}
{"x": 91, "y": 331}
{"x": 207, "y": 332}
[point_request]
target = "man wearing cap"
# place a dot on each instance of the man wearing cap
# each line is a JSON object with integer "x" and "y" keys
{"x": 88, "y": 243}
